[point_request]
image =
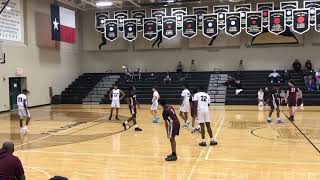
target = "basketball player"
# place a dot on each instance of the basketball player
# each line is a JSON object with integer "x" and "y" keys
{"x": 172, "y": 126}
{"x": 115, "y": 98}
{"x": 133, "y": 103}
{"x": 154, "y": 106}
{"x": 185, "y": 105}
{"x": 23, "y": 111}
{"x": 291, "y": 98}
{"x": 274, "y": 102}
{"x": 203, "y": 101}
{"x": 193, "y": 109}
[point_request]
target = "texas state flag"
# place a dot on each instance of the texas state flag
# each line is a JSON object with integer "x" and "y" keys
{"x": 63, "y": 25}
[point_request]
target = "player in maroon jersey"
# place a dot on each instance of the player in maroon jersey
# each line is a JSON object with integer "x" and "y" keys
{"x": 291, "y": 98}
{"x": 172, "y": 126}
{"x": 133, "y": 103}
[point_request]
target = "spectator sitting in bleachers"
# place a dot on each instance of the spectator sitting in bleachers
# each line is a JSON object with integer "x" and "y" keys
{"x": 285, "y": 76}
{"x": 231, "y": 82}
{"x": 296, "y": 66}
{"x": 311, "y": 86}
{"x": 299, "y": 99}
{"x": 308, "y": 75}
{"x": 260, "y": 97}
{"x": 274, "y": 77}
{"x": 308, "y": 65}
{"x": 317, "y": 78}
{"x": 179, "y": 67}
{"x": 167, "y": 79}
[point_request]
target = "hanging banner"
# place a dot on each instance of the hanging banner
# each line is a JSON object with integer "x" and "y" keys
{"x": 288, "y": 7}
{"x": 100, "y": 19}
{"x": 159, "y": 13}
{"x": 111, "y": 29}
{"x": 150, "y": 28}
{"x": 277, "y": 21}
{"x": 139, "y": 15}
{"x": 254, "y": 23}
{"x": 317, "y": 25}
{"x": 233, "y": 23}
{"x": 120, "y": 16}
{"x": 189, "y": 27}
{"x": 130, "y": 31}
{"x": 312, "y": 5}
{"x": 210, "y": 25}
{"x": 179, "y": 13}
{"x": 221, "y": 10}
{"x": 301, "y": 23}
{"x": 265, "y": 8}
{"x": 169, "y": 26}
{"x": 243, "y": 8}
{"x": 199, "y": 11}
{"x": 12, "y": 21}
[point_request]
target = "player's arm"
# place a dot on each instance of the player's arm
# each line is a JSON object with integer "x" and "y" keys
{"x": 122, "y": 94}
{"x": 182, "y": 98}
{"x": 165, "y": 116}
{"x": 286, "y": 96}
{"x": 137, "y": 103}
{"x": 25, "y": 104}
{"x": 298, "y": 94}
{"x": 110, "y": 95}
{"x": 209, "y": 100}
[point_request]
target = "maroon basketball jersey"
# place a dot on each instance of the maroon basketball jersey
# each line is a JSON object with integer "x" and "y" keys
{"x": 292, "y": 93}
{"x": 169, "y": 114}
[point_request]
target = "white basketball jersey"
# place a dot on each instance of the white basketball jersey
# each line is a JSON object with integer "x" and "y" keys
{"x": 115, "y": 95}
{"x": 155, "y": 96}
{"x": 186, "y": 96}
{"x": 20, "y": 100}
{"x": 203, "y": 101}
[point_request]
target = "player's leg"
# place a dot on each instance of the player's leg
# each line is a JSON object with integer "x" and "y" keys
{"x": 208, "y": 125}
{"x": 201, "y": 121}
{"x": 20, "y": 113}
{"x": 111, "y": 110}
{"x": 117, "y": 105}
{"x": 27, "y": 122}
{"x": 269, "y": 119}
{"x": 278, "y": 116}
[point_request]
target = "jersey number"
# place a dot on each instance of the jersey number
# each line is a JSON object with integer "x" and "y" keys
{"x": 204, "y": 98}
{"x": 19, "y": 99}
{"x": 293, "y": 90}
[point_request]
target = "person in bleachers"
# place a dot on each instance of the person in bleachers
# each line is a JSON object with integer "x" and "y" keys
{"x": 317, "y": 78}
{"x": 193, "y": 66}
{"x": 274, "y": 77}
{"x": 297, "y": 66}
{"x": 308, "y": 65}
{"x": 299, "y": 99}
{"x": 308, "y": 75}
{"x": 179, "y": 67}
{"x": 260, "y": 97}
{"x": 311, "y": 86}
{"x": 167, "y": 79}
{"x": 238, "y": 86}
{"x": 285, "y": 76}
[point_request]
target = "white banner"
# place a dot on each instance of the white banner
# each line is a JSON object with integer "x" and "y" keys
{"x": 10, "y": 21}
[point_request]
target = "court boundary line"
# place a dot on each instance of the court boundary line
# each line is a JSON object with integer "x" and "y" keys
{"x": 39, "y": 170}
{"x": 215, "y": 137}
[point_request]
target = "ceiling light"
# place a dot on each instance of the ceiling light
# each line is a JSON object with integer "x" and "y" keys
{"x": 170, "y": 1}
{"x": 8, "y": 8}
{"x": 103, "y": 4}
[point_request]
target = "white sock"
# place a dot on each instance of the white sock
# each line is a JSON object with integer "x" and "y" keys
{"x": 135, "y": 126}
{"x": 212, "y": 139}
{"x": 269, "y": 118}
{"x": 203, "y": 140}
{"x": 198, "y": 126}
{"x": 126, "y": 122}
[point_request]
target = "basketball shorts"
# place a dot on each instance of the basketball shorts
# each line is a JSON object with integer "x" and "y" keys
{"x": 173, "y": 129}
{"x": 115, "y": 104}
{"x": 154, "y": 106}
{"x": 203, "y": 116}
{"x": 22, "y": 112}
{"x": 185, "y": 107}
{"x": 133, "y": 111}
{"x": 292, "y": 102}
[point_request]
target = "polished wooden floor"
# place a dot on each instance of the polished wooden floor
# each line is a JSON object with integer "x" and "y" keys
{"x": 78, "y": 142}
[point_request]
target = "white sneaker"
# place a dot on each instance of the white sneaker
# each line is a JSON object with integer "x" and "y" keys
{"x": 26, "y": 131}
{"x": 22, "y": 131}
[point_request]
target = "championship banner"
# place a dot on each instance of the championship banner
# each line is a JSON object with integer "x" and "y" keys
{"x": 233, "y": 23}
{"x": 210, "y": 25}
{"x": 159, "y": 13}
{"x": 189, "y": 27}
{"x": 221, "y": 10}
{"x": 130, "y": 31}
{"x": 111, "y": 29}
{"x": 179, "y": 13}
{"x": 169, "y": 26}
{"x": 243, "y": 8}
{"x": 277, "y": 21}
{"x": 120, "y": 16}
{"x": 254, "y": 23}
{"x": 199, "y": 11}
{"x": 301, "y": 23}
{"x": 150, "y": 28}
{"x": 312, "y": 5}
{"x": 317, "y": 25}
{"x": 265, "y": 8}
{"x": 139, "y": 15}
{"x": 288, "y": 7}
{"x": 100, "y": 19}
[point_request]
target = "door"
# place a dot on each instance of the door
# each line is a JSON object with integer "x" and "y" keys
{"x": 14, "y": 90}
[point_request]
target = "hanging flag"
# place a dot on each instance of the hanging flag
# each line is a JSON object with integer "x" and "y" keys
{"x": 159, "y": 13}
{"x": 111, "y": 29}
{"x": 100, "y": 19}
{"x": 120, "y": 16}
{"x": 210, "y": 25}
{"x": 277, "y": 21}
{"x": 189, "y": 29}
{"x": 317, "y": 23}
{"x": 301, "y": 23}
{"x": 243, "y": 8}
{"x": 169, "y": 26}
{"x": 288, "y": 7}
{"x": 199, "y": 11}
{"x": 63, "y": 24}
{"x": 312, "y": 5}
{"x": 265, "y": 8}
{"x": 179, "y": 13}
{"x": 150, "y": 28}
{"x": 254, "y": 23}
{"x": 139, "y": 15}
{"x": 221, "y": 10}
{"x": 130, "y": 32}
{"x": 233, "y": 23}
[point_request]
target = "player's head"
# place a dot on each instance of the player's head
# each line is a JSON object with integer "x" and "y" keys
{"x": 291, "y": 83}
{"x": 276, "y": 87}
{"x": 115, "y": 87}
{"x": 8, "y": 146}
{"x": 194, "y": 91}
{"x": 154, "y": 88}
{"x": 132, "y": 88}
{"x": 185, "y": 86}
{"x": 163, "y": 102}
{"x": 25, "y": 91}
{"x": 201, "y": 89}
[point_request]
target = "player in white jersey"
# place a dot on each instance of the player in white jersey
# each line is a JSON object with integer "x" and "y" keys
{"x": 154, "y": 105}
{"x": 185, "y": 105}
{"x": 203, "y": 103}
{"x": 115, "y": 96}
{"x": 23, "y": 111}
